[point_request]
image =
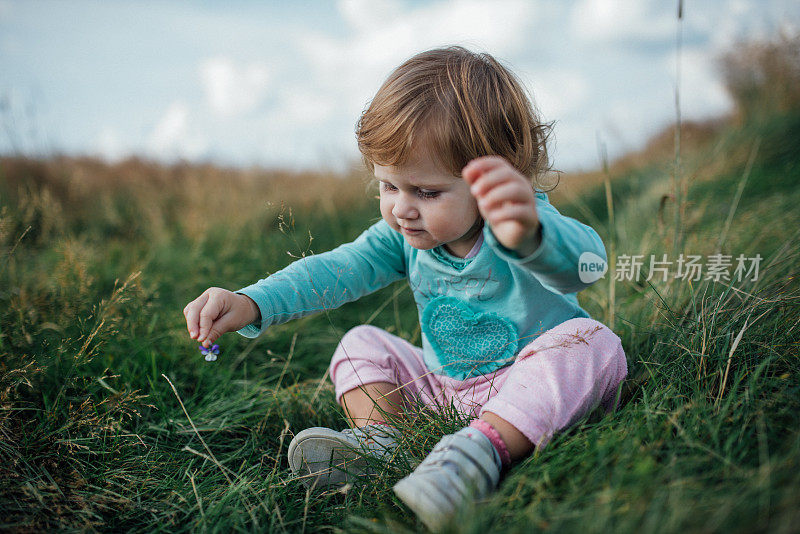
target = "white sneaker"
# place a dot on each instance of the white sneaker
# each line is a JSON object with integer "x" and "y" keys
{"x": 461, "y": 468}
{"x": 322, "y": 457}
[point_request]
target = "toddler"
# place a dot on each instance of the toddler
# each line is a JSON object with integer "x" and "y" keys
{"x": 456, "y": 147}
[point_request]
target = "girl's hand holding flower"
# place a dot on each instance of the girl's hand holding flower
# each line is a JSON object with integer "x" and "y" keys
{"x": 217, "y": 311}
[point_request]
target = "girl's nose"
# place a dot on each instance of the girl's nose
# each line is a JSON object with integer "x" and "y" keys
{"x": 403, "y": 209}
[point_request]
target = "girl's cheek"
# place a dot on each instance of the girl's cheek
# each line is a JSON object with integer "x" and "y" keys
{"x": 386, "y": 213}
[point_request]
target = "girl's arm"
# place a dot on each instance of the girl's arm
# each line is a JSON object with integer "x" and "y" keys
{"x": 328, "y": 280}
{"x": 526, "y": 229}
{"x": 556, "y": 261}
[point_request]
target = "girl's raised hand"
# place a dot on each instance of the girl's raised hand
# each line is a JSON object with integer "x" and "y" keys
{"x": 506, "y": 201}
{"x": 217, "y": 311}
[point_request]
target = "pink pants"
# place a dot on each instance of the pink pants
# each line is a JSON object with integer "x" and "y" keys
{"x": 555, "y": 380}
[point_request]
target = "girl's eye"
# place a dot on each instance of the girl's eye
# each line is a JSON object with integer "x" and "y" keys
{"x": 421, "y": 193}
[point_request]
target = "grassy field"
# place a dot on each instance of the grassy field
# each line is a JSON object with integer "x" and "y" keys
{"x": 111, "y": 420}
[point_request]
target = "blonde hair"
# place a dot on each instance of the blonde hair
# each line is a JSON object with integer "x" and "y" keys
{"x": 460, "y": 105}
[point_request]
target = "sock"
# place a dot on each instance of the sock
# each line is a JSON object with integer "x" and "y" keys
{"x": 476, "y": 435}
{"x": 498, "y": 445}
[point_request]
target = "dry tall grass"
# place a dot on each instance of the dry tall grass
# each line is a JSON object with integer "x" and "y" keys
{"x": 764, "y": 76}
{"x": 139, "y": 197}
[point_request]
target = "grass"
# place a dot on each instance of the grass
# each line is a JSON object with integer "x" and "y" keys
{"x": 111, "y": 420}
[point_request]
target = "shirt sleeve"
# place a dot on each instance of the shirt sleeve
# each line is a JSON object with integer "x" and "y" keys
{"x": 556, "y": 262}
{"x": 328, "y": 280}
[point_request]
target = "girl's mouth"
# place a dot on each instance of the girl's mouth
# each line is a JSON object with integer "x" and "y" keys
{"x": 410, "y": 231}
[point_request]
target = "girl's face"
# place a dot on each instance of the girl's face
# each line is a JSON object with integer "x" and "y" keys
{"x": 429, "y": 206}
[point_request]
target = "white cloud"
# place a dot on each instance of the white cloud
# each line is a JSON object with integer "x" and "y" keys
{"x": 231, "y": 89}
{"x": 172, "y": 137}
{"x": 109, "y": 145}
{"x": 617, "y": 20}
{"x": 346, "y": 71}
{"x": 380, "y": 42}
{"x": 364, "y": 15}
{"x": 702, "y": 93}
{"x": 172, "y": 127}
{"x": 560, "y": 91}
{"x": 299, "y": 107}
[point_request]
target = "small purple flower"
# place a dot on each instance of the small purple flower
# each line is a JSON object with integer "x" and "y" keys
{"x": 210, "y": 353}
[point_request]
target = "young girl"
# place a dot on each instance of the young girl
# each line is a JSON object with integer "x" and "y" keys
{"x": 454, "y": 143}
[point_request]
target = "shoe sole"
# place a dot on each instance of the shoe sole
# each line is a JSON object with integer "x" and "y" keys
{"x": 321, "y": 458}
{"x": 421, "y": 504}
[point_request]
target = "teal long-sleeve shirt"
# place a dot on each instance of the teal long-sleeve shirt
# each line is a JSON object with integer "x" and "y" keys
{"x": 476, "y": 314}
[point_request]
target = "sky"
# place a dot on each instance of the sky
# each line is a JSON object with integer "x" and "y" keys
{"x": 282, "y": 84}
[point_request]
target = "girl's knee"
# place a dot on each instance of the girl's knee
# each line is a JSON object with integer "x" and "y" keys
{"x": 591, "y": 331}
{"x": 368, "y": 354}
{"x": 357, "y": 340}
{"x": 608, "y": 348}
{"x": 603, "y": 343}
{"x": 602, "y": 335}
{"x": 364, "y": 346}
{"x": 359, "y": 334}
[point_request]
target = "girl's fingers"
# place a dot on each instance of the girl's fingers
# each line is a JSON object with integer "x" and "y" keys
{"x": 490, "y": 179}
{"x": 192, "y": 314}
{"x": 211, "y": 337}
{"x": 513, "y": 192}
{"x": 208, "y": 315}
{"x": 475, "y": 168}
{"x": 516, "y": 212}
{"x": 225, "y": 323}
